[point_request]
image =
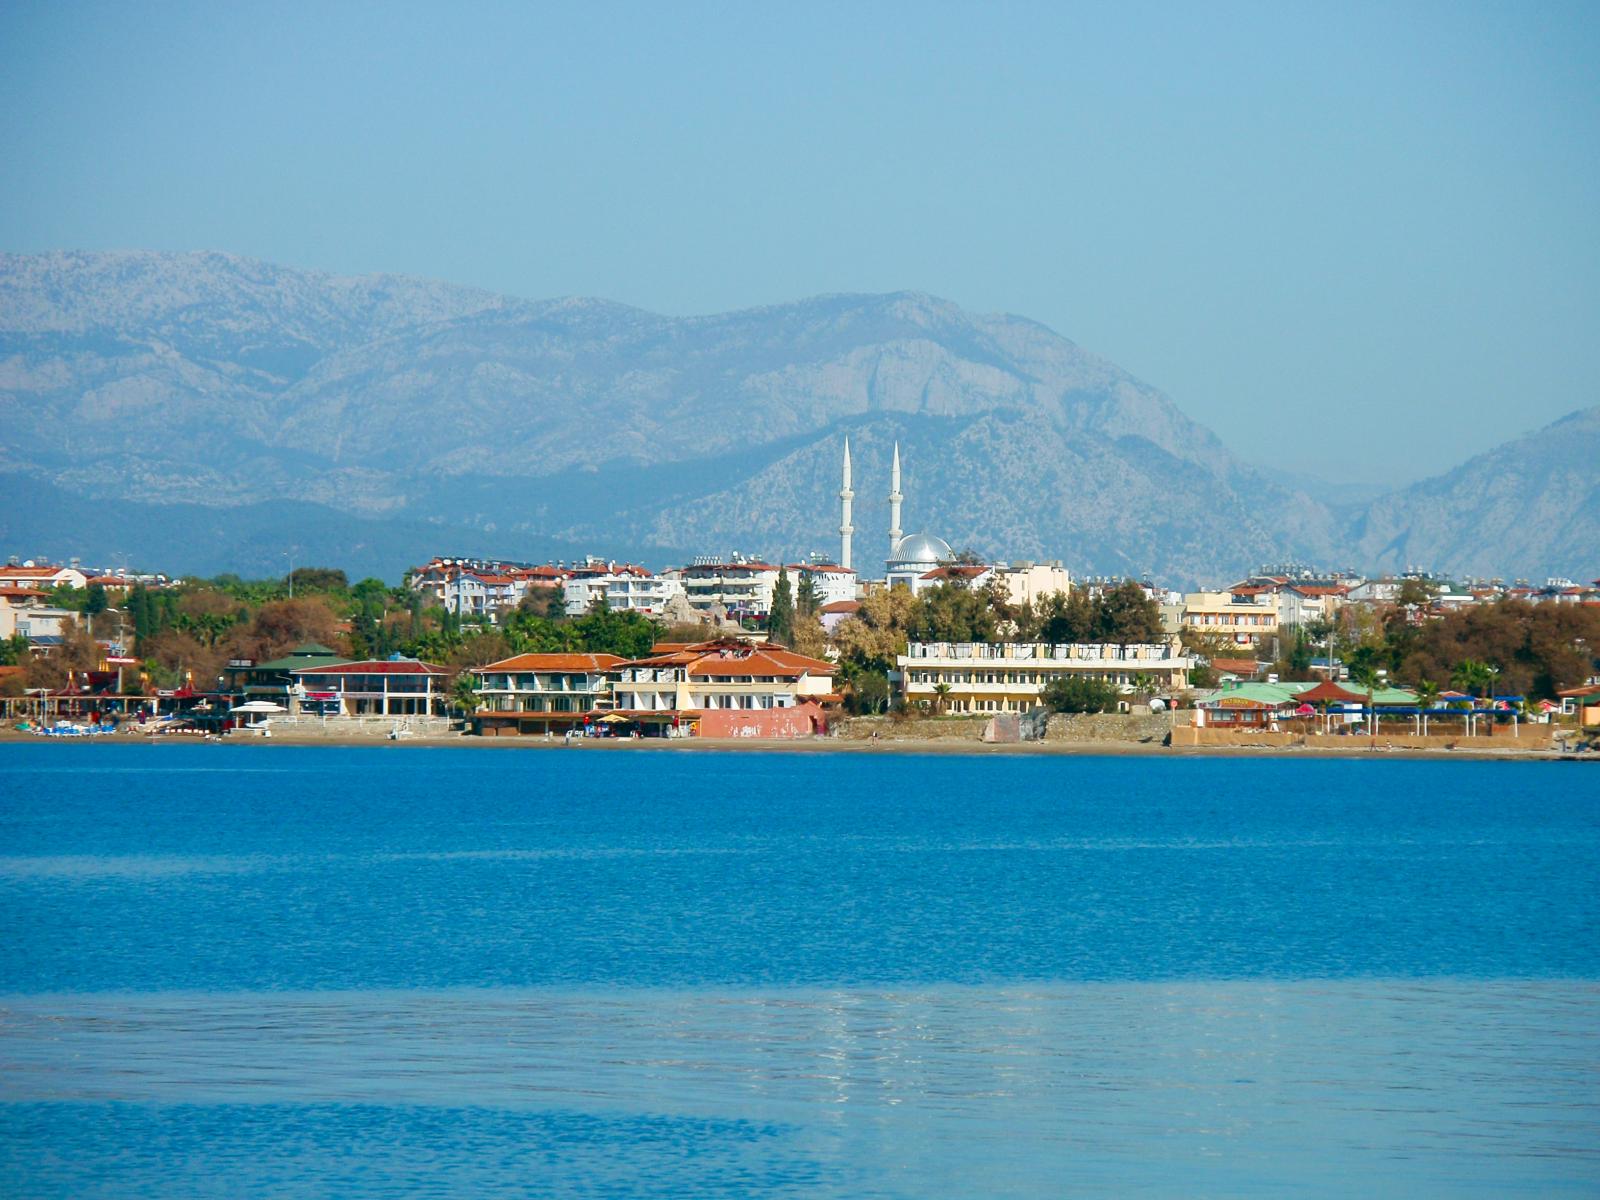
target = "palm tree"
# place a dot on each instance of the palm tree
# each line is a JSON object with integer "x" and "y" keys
{"x": 464, "y": 693}
{"x": 941, "y": 694}
{"x": 1427, "y": 695}
{"x": 1472, "y": 676}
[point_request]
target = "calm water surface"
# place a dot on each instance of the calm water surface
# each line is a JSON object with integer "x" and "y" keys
{"x": 300, "y": 972}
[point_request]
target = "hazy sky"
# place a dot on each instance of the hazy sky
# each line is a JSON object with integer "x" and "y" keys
{"x": 1355, "y": 239}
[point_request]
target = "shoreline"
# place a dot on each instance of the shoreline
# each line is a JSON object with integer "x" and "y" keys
{"x": 922, "y": 746}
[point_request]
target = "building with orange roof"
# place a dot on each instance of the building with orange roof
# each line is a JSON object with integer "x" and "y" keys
{"x": 42, "y": 575}
{"x": 543, "y": 693}
{"x": 726, "y": 688}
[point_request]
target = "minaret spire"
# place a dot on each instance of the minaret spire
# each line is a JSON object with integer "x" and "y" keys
{"x": 846, "y": 494}
{"x": 895, "y": 532}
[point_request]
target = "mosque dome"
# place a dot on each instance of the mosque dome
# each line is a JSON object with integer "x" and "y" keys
{"x": 921, "y": 548}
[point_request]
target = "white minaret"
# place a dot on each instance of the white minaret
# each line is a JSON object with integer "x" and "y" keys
{"x": 846, "y": 530}
{"x": 895, "y": 532}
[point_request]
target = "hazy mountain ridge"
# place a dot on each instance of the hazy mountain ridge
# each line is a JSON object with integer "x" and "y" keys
{"x": 203, "y": 378}
{"x": 1530, "y": 507}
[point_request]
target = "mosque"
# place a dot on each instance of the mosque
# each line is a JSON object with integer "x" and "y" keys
{"x": 910, "y": 557}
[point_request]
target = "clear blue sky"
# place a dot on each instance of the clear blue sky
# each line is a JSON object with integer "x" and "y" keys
{"x": 1362, "y": 238}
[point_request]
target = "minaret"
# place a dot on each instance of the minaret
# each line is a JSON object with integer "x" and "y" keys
{"x": 895, "y": 532}
{"x": 846, "y": 530}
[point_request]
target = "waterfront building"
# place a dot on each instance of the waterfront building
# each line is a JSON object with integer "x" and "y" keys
{"x": 390, "y": 687}
{"x": 274, "y": 680}
{"x": 543, "y": 693}
{"x": 726, "y": 688}
{"x": 979, "y": 677}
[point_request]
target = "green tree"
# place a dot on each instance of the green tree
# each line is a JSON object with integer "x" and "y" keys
{"x": 1079, "y": 694}
{"x": 807, "y": 600}
{"x": 867, "y": 692}
{"x": 1300, "y": 655}
{"x": 780, "y": 621}
{"x": 1126, "y": 613}
{"x": 941, "y": 697}
{"x": 95, "y": 601}
{"x": 1067, "y": 617}
{"x": 1472, "y": 676}
{"x": 316, "y": 579}
{"x": 951, "y": 612}
{"x": 464, "y": 693}
{"x": 14, "y": 650}
{"x": 604, "y": 631}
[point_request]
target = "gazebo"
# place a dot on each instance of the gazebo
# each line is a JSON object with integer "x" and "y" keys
{"x": 1327, "y": 693}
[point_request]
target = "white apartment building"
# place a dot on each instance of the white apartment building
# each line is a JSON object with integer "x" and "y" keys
{"x": 625, "y": 590}
{"x": 1011, "y": 676}
{"x": 743, "y": 588}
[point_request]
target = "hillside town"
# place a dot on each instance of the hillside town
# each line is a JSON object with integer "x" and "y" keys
{"x": 740, "y": 645}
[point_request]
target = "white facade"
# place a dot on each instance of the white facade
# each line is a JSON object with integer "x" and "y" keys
{"x": 43, "y": 577}
{"x": 1011, "y": 676}
{"x": 30, "y": 617}
{"x": 832, "y": 584}
{"x": 621, "y": 592}
{"x": 914, "y": 556}
{"x": 1028, "y": 582}
{"x": 742, "y": 589}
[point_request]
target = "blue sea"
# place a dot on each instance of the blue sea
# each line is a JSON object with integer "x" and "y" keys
{"x": 406, "y": 971}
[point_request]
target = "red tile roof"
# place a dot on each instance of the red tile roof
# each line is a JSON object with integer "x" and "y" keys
{"x": 734, "y": 658}
{"x": 955, "y": 571}
{"x": 842, "y": 606}
{"x": 1236, "y": 666}
{"x": 554, "y": 662}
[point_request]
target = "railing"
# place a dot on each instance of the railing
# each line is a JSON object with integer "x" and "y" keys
{"x": 1025, "y": 652}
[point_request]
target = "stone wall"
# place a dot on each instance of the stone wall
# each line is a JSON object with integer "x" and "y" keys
{"x": 965, "y": 728}
{"x": 1107, "y": 727}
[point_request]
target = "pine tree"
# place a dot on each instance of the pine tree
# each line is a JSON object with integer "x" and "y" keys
{"x": 780, "y": 621}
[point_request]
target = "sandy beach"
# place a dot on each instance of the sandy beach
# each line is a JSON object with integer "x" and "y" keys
{"x": 920, "y": 746}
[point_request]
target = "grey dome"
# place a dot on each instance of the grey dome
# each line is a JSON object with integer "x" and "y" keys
{"x": 921, "y": 548}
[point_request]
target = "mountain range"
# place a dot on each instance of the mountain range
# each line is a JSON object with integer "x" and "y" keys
{"x": 204, "y": 413}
